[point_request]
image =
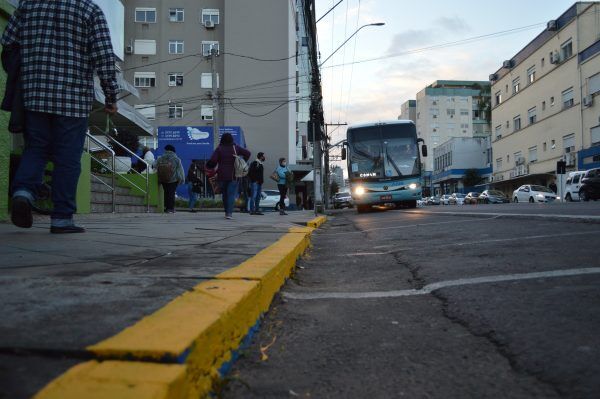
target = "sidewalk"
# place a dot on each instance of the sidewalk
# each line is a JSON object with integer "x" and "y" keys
{"x": 62, "y": 293}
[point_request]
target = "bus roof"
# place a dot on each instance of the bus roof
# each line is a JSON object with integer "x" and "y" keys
{"x": 381, "y": 123}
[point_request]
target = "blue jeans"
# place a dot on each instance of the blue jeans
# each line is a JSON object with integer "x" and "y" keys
{"x": 229, "y": 191}
{"x": 255, "y": 197}
{"x": 56, "y": 138}
{"x": 193, "y": 197}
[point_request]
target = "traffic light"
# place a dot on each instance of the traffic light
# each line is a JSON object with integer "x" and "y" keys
{"x": 561, "y": 167}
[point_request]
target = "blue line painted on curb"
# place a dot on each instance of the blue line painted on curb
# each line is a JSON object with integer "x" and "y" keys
{"x": 245, "y": 344}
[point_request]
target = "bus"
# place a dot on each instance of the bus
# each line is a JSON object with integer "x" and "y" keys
{"x": 384, "y": 164}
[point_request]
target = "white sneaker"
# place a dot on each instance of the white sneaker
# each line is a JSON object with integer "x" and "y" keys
{"x": 228, "y": 217}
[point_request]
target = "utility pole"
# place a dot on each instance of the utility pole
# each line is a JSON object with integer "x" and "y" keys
{"x": 215, "y": 94}
{"x": 316, "y": 169}
{"x": 327, "y": 176}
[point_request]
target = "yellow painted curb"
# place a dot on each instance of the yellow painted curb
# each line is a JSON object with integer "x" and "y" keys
{"x": 317, "y": 222}
{"x": 199, "y": 329}
{"x": 118, "y": 380}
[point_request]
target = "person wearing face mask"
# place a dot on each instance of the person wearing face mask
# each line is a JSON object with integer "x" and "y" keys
{"x": 285, "y": 175}
{"x": 256, "y": 176}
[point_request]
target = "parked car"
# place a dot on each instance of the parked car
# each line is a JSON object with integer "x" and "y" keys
{"x": 493, "y": 197}
{"x": 435, "y": 200}
{"x": 533, "y": 193}
{"x": 342, "y": 200}
{"x": 573, "y": 185}
{"x": 270, "y": 199}
{"x": 445, "y": 199}
{"x": 457, "y": 199}
{"x": 421, "y": 202}
{"x": 471, "y": 198}
{"x": 590, "y": 185}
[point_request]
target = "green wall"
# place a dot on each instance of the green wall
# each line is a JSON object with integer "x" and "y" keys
{"x": 84, "y": 185}
{"x": 5, "y": 139}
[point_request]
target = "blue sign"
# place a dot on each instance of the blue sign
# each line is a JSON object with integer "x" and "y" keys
{"x": 236, "y": 132}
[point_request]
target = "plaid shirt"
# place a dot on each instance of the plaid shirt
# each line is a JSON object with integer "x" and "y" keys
{"x": 62, "y": 42}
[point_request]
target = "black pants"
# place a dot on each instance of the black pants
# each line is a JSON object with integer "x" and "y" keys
{"x": 169, "y": 189}
{"x": 282, "y": 193}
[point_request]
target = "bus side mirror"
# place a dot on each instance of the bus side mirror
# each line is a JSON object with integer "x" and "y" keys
{"x": 344, "y": 155}
{"x": 424, "y": 150}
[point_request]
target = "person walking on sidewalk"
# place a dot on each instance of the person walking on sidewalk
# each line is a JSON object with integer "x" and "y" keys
{"x": 285, "y": 176}
{"x": 223, "y": 158}
{"x": 170, "y": 175}
{"x": 195, "y": 183}
{"x": 256, "y": 174}
{"x": 61, "y": 44}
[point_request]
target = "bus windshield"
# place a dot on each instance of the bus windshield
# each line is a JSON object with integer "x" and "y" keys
{"x": 385, "y": 151}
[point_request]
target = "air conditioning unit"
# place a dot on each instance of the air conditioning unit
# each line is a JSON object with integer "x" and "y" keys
{"x": 129, "y": 50}
{"x": 555, "y": 58}
{"x": 493, "y": 77}
{"x": 508, "y": 64}
{"x": 552, "y": 25}
{"x": 588, "y": 101}
{"x": 209, "y": 24}
{"x": 570, "y": 159}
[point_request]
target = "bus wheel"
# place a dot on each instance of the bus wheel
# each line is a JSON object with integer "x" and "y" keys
{"x": 362, "y": 208}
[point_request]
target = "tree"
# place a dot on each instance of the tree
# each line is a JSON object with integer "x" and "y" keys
{"x": 472, "y": 178}
{"x": 335, "y": 187}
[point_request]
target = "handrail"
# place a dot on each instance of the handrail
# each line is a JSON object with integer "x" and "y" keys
{"x": 112, "y": 169}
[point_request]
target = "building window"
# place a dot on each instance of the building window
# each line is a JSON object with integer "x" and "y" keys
{"x": 499, "y": 98}
{"x": 594, "y": 84}
{"x": 544, "y": 146}
{"x": 499, "y": 163}
{"x": 516, "y": 123}
{"x": 569, "y": 143}
{"x": 145, "y": 15}
{"x": 175, "y": 46}
{"x": 144, "y": 79}
{"x": 595, "y": 132}
{"x": 566, "y": 50}
{"x": 464, "y": 125}
{"x": 207, "y": 46}
{"x": 532, "y": 115}
{"x": 567, "y": 98}
{"x": 176, "y": 14}
{"x": 206, "y": 80}
{"x": 464, "y": 112}
{"x": 531, "y": 75}
{"x": 516, "y": 85}
{"x": 543, "y": 62}
{"x": 206, "y": 111}
{"x": 175, "y": 79}
{"x": 552, "y": 101}
{"x": 148, "y": 110}
{"x": 498, "y": 132}
{"x": 533, "y": 154}
{"x": 543, "y": 105}
{"x": 450, "y": 112}
{"x": 175, "y": 111}
{"x": 210, "y": 14}
{"x": 434, "y": 112}
{"x": 144, "y": 47}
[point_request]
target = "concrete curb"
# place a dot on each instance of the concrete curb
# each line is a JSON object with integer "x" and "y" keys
{"x": 182, "y": 349}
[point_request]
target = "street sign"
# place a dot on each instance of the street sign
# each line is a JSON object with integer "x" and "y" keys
{"x": 561, "y": 167}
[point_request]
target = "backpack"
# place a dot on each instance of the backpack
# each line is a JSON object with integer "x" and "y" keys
{"x": 240, "y": 167}
{"x": 165, "y": 169}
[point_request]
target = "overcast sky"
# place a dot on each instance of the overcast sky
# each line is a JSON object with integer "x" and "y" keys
{"x": 377, "y": 89}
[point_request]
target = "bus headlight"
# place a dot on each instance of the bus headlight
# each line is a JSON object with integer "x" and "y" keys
{"x": 413, "y": 186}
{"x": 359, "y": 191}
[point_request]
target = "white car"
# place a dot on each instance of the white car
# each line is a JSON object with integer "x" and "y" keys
{"x": 457, "y": 199}
{"x": 445, "y": 200}
{"x": 270, "y": 199}
{"x": 573, "y": 185}
{"x": 533, "y": 193}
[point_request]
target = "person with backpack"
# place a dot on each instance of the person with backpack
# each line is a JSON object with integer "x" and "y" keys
{"x": 284, "y": 178}
{"x": 170, "y": 174}
{"x": 230, "y": 161}
{"x": 257, "y": 177}
{"x": 195, "y": 183}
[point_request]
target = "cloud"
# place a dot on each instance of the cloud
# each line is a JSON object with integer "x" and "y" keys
{"x": 453, "y": 24}
{"x": 410, "y": 39}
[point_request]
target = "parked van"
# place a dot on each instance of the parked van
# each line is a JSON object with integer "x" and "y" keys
{"x": 573, "y": 185}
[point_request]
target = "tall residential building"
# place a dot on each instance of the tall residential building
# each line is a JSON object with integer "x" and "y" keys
{"x": 451, "y": 108}
{"x": 262, "y": 68}
{"x": 408, "y": 111}
{"x": 544, "y": 102}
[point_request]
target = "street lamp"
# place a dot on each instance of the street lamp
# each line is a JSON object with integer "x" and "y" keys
{"x": 351, "y": 36}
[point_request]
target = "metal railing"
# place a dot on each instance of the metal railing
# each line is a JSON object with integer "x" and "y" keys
{"x": 113, "y": 143}
{"x": 111, "y": 168}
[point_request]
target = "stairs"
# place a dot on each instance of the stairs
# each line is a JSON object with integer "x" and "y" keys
{"x": 126, "y": 202}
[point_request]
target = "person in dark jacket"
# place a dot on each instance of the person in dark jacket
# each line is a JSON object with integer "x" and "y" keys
{"x": 223, "y": 158}
{"x": 256, "y": 174}
{"x": 195, "y": 183}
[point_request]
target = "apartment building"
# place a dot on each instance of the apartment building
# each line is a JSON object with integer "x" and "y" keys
{"x": 449, "y": 108}
{"x": 262, "y": 69}
{"x": 544, "y": 106}
{"x": 455, "y": 157}
{"x": 408, "y": 111}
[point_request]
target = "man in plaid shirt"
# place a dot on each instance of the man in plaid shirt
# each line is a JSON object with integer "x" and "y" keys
{"x": 62, "y": 43}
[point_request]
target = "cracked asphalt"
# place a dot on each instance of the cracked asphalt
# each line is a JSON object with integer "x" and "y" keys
{"x": 519, "y": 338}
